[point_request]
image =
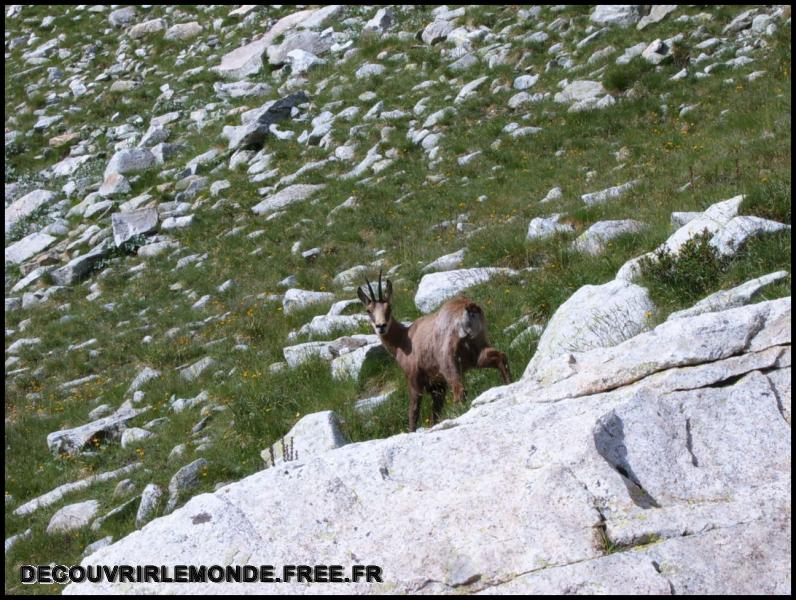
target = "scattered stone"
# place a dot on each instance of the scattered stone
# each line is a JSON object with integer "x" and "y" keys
{"x": 101, "y": 543}
{"x": 28, "y": 247}
{"x": 183, "y": 480}
{"x": 196, "y": 369}
{"x": 607, "y": 194}
{"x": 296, "y": 299}
{"x": 150, "y": 500}
{"x": 447, "y": 262}
{"x": 25, "y": 206}
{"x": 595, "y": 316}
{"x": 544, "y": 227}
{"x": 290, "y": 195}
{"x": 130, "y": 224}
{"x": 183, "y": 31}
{"x": 134, "y": 435}
{"x": 619, "y": 15}
{"x": 593, "y": 240}
{"x": 73, "y": 517}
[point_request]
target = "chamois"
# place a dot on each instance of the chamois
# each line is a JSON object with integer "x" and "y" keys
{"x": 437, "y": 349}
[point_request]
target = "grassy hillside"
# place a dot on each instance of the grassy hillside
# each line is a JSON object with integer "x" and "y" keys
{"x": 736, "y": 139}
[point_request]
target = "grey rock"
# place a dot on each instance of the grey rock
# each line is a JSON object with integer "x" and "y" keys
{"x": 616, "y": 435}
{"x": 732, "y": 298}
{"x": 436, "y": 31}
{"x": 287, "y": 196}
{"x": 446, "y": 262}
{"x": 183, "y": 31}
{"x": 133, "y": 435}
{"x": 296, "y": 299}
{"x": 58, "y": 493}
{"x": 28, "y": 247}
{"x": 127, "y": 225}
{"x": 147, "y": 27}
{"x": 11, "y": 541}
{"x": 72, "y": 441}
{"x": 150, "y": 500}
{"x": 196, "y": 369}
{"x": 25, "y": 206}
{"x": 657, "y": 13}
{"x": 73, "y": 517}
{"x": 131, "y": 160}
{"x": 184, "y": 480}
{"x": 544, "y": 227}
{"x": 114, "y": 184}
{"x": 380, "y": 22}
{"x": 312, "y": 435}
{"x": 350, "y": 364}
{"x": 436, "y": 288}
{"x": 80, "y": 266}
{"x": 619, "y": 15}
{"x": 608, "y": 194}
{"x": 593, "y": 240}
{"x": 101, "y": 543}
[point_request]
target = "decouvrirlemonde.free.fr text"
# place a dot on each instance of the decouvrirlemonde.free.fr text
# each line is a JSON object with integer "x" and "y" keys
{"x": 200, "y": 574}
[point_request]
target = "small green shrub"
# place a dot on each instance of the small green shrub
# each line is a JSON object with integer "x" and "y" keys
{"x": 686, "y": 277}
{"x": 619, "y": 78}
{"x": 681, "y": 55}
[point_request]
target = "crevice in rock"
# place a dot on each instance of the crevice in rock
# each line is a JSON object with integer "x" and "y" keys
{"x": 758, "y": 324}
{"x": 773, "y": 388}
{"x": 689, "y": 442}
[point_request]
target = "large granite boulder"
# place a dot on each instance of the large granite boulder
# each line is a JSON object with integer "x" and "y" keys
{"x": 676, "y": 437}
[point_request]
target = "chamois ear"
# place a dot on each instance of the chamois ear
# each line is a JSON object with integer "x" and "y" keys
{"x": 363, "y": 297}
{"x": 388, "y": 291}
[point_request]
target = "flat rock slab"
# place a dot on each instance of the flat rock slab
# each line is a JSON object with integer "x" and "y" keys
{"x": 248, "y": 59}
{"x": 594, "y": 239}
{"x": 608, "y": 193}
{"x": 296, "y": 299}
{"x": 76, "y": 268}
{"x": 73, "y": 517}
{"x": 724, "y": 299}
{"x": 287, "y": 196}
{"x": 127, "y": 225}
{"x": 447, "y": 262}
{"x": 436, "y": 288}
{"x": 25, "y": 206}
{"x": 72, "y": 441}
{"x": 28, "y": 247}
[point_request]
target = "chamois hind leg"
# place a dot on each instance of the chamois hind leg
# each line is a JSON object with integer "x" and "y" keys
{"x": 492, "y": 358}
{"x": 437, "y": 402}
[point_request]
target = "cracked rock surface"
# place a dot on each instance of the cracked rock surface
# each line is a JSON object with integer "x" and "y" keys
{"x": 661, "y": 465}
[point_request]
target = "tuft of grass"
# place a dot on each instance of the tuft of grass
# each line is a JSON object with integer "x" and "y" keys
{"x": 769, "y": 200}
{"x": 620, "y": 78}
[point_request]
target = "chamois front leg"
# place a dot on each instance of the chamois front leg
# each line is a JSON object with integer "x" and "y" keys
{"x": 495, "y": 359}
{"x": 414, "y": 405}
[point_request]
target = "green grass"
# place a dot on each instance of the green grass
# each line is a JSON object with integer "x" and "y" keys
{"x": 746, "y": 150}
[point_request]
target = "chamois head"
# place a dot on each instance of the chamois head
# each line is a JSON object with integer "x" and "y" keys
{"x": 378, "y": 308}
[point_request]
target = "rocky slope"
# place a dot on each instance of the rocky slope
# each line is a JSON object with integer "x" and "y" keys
{"x": 193, "y": 194}
{"x": 659, "y": 466}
